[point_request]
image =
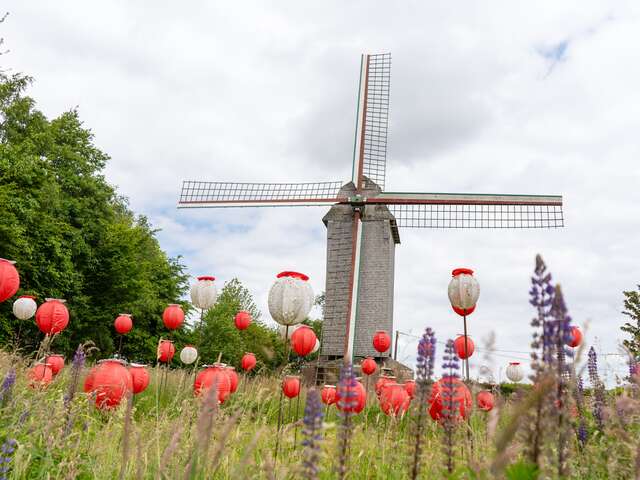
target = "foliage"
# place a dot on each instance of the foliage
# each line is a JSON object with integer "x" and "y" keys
{"x": 72, "y": 236}
{"x": 632, "y": 310}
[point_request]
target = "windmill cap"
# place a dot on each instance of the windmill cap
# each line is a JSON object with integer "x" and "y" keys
{"x": 298, "y": 275}
{"x": 460, "y": 271}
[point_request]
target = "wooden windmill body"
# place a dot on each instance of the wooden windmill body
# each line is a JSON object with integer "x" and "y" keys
{"x": 363, "y": 221}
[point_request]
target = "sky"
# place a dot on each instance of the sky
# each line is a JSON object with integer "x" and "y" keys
{"x": 498, "y": 97}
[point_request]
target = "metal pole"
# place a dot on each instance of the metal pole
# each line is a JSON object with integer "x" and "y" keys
{"x": 466, "y": 354}
{"x": 395, "y": 348}
{"x": 286, "y": 348}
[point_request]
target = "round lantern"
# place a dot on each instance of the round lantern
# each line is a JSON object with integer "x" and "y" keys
{"x": 576, "y": 337}
{"x": 173, "y": 316}
{"x": 40, "y": 375}
{"x": 139, "y": 377}
{"x": 368, "y": 366}
{"x": 382, "y": 382}
{"x": 25, "y": 307}
{"x": 290, "y": 298}
{"x": 56, "y": 362}
{"x": 381, "y": 341}
{"x": 9, "y": 279}
{"x": 291, "y": 386}
{"x": 166, "y": 351}
{"x": 204, "y": 293}
{"x": 123, "y": 323}
{"x": 316, "y": 347}
{"x": 188, "y": 354}
{"x": 111, "y": 382}
{"x": 233, "y": 379}
{"x": 303, "y": 340}
{"x": 450, "y": 389}
{"x": 213, "y": 375}
{"x": 328, "y": 394}
{"x": 464, "y": 291}
{"x": 410, "y": 388}
{"x": 355, "y": 398}
{"x": 459, "y": 345}
{"x": 88, "y": 381}
{"x": 242, "y": 320}
{"x": 394, "y": 400}
{"x": 484, "y": 400}
{"x": 52, "y": 316}
{"x": 514, "y": 372}
{"x": 248, "y": 361}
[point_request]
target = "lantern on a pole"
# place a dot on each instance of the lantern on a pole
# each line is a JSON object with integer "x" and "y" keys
{"x": 111, "y": 381}
{"x": 381, "y": 341}
{"x": 213, "y": 375}
{"x": 9, "y": 279}
{"x": 368, "y": 366}
{"x": 576, "y": 337}
{"x": 166, "y": 351}
{"x": 56, "y": 362}
{"x": 123, "y": 325}
{"x": 328, "y": 395}
{"x": 351, "y": 398}
{"x": 25, "y": 307}
{"x": 248, "y": 361}
{"x": 303, "y": 340}
{"x": 291, "y": 386}
{"x": 464, "y": 351}
{"x": 464, "y": 291}
{"x": 139, "y": 377}
{"x": 188, "y": 354}
{"x": 450, "y": 390}
{"x": 52, "y": 316}
{"x": 242, "y": 320}
{"x": 484, "y": 400}
{"x": 515, "y": 372}
{"x": 40, "y": 375}
{"x": 173, "y": 316}
{"x": 204, "y": 293}
{"x": 394, "y": 400}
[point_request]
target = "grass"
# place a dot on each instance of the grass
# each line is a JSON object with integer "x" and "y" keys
{"x": 167, "y": 433}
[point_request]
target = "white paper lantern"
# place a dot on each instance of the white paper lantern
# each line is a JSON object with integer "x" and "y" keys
{"x": 316, "y": 347}
{"x": 290, "y": 298}
{"x": 25, "y": 307}
{"x": 282, "y": 330}
{"x": 464, "y": 291}
{"x": 188, "y": 355}
{"x": 204, "y": 293}
{"x": 514, "y": 372}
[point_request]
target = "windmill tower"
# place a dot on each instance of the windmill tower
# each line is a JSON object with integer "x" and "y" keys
{"x": 363, "y": 221}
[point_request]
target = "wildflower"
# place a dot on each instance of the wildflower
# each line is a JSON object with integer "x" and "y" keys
{"x": 581, "y": 433}
{"x": 347, "y": 394}
{"x": 450, "y": 404}
{"x": 76, "y": 367}
{"x": 6, "y": 456}
{"x": 598, "y": 388}
{"x": 312, "y": 433}
{"x": 7, "y": 385}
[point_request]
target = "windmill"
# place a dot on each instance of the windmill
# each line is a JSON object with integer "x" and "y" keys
{"x": 362, "y": 224}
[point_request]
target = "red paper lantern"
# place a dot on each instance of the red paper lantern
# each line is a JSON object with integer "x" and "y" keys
{"x": 576, "y": 337}
{"x": 381, "y": 341}
{"x": 459, "y": 346}
{"x": 139, "y": 377}
{"x": 394, "y": 399}
{"x": 52, "y": 316}
{"x": 40, "y": 375}
{"x": 457, "y": 392}
{"x": 166, "y": 351}
{"x": 410, "y": 388}
{"x": 484, "y": 400}
{"x": 111, "y": 382}
{"x": 233, "y": 379}
{"x": 9, "y": 279}
{"x": 382, "y": 382}
{"x": 368, "y": 366}
{"x": 291, "y": 386}
{"x": 123, "y": 323}
{"x": 173, "y": 316}
{"x": 213, "y": 375}
{"x": 88, "y": 381}
{"x": 328, "y": 394}
{"x": 303, "y": 340}
{"x": 248, "y": 361}
{"x": 355, "y": 398}
{"x": 56, "y": 362}
{"x": 242, "y": 320}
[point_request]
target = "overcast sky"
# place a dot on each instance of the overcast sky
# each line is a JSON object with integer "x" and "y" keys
{"x": 495, "y": 97}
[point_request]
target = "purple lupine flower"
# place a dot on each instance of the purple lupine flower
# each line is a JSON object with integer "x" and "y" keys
{"x": 597, "y": 386}
{"x": 582, "y": 427}
{"x": 346, "y": 393}
{"x": 6, "y": 456}
{"x": 426, "y": 356}
{"x": 541, "y": 297}
{"x": 312, "y": 433}
{"x": 450, "y": 405}
{"x": 7, "y": 385}
{"x": 76, "y": 368}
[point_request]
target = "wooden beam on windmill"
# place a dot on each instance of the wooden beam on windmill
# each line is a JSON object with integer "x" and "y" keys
{"x": 363, "y": 221}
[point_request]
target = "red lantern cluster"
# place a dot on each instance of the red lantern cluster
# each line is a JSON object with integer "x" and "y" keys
{"x": 56, "y": 362}
{"x": 248, "y": 362}
{"x": 484, "y": 400}
{"x": 456, "y": 392}
{"x": 40, "y": 375}
{"x": 576, "y": 337}
{"x": 173, "y": 316}
{"x": 381, "y": 341}
{"x": 291, "y": 386}
{"x": 9, "y": 279}
{"x": 303, "y": 340}
{"x": 394, "y": 399}
{"x": 328, "y": 394}
{"x": 352, "y": 398}
{"x": 110, "y": 382}
{"x": 139, "y": 377}
{"x": 123, "y": 323}
{"x": 52, "y": 316}
{"x": 166, "y": 351}
{"x": 242, "y": 320}
{"x": 459, "y": 345}
{"x": 213, "y": 376}
{"x": 368, "y": 366}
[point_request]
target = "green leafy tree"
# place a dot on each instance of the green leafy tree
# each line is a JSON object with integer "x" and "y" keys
{"x": 73, "y": 237}
{"x": 632, "y": 310}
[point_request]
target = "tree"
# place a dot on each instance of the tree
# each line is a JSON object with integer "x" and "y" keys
{"x": 632, "y": 310}
{"x": 73, "y": 237}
